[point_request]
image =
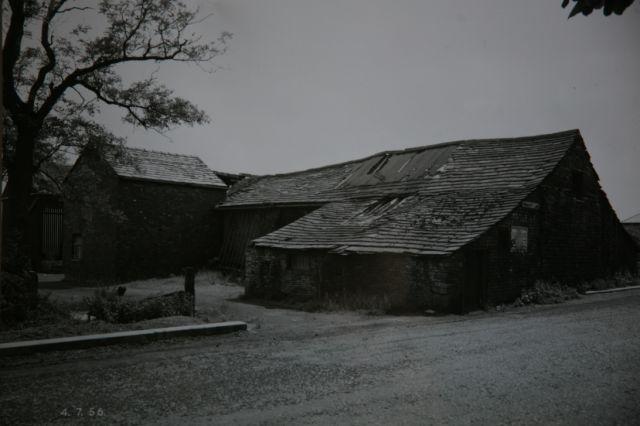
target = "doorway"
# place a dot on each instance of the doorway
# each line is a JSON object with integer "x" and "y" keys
{"x": 474, "y": 291}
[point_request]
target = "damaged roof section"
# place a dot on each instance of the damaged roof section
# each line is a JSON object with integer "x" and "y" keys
{"x": 141, "y": 164}
{"x": 473, "y": 164}
{"x": 437, "y": 224}
{"x": 399, "y": 167}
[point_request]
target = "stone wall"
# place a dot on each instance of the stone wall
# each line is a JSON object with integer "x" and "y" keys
{"x": 633, "y": 229}
{"x": 406, "y": 281}
{"x": 573, "y": 234}
{"x": 241, "y": 226}
{"x": 89, "y": 211}
{"x": 271, "y": 274}
{"x": 165, "y": 227}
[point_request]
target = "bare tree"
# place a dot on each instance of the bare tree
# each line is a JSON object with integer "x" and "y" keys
{"x": 55, "y": 81}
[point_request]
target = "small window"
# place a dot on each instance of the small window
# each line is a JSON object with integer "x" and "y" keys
{"x": 519, "y": 239}
{"x": 577, "y": 183}
{"x": 76, "y": 247}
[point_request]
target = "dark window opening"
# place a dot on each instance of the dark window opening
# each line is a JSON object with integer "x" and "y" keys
{"x": 504, "y": 238}
{"x": 379, "y": 164}
{"x": 519, "y": 239}
{"x": 76, "y": 247}
{"x": 577, "y": 183}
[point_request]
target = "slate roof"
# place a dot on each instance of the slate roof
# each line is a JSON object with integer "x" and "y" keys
{"x": 426, "y": 200}
{"x": 156, "y": 166}
{"x": 435, "y": 224}
{"x": 485, "y": 163}
{"x": 307, "y": 187}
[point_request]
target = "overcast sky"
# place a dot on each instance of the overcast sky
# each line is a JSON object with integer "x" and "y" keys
{"x": 307, "y": 83}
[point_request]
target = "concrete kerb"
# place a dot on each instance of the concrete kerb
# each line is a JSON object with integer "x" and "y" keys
{"x": 77, "y": 342}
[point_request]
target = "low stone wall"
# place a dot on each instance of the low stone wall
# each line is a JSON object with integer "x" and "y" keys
{"x": 404, "y": 281}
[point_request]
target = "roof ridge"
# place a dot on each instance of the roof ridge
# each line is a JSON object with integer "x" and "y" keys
{"x": 133, "y": 148}
{"x": 418, "y": 148}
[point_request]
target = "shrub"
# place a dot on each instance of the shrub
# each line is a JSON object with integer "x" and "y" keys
{"x": 544, "y": 293}
{"x": 107, "y": 305}
{"x": 42, "y": 312}
{"x": 18, "y": 297}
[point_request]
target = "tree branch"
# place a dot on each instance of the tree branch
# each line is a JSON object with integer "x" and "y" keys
{"x": 136, "y": 28}
{"x": 52, "y": 9}
{"x": 69, "y": 9}
{"x": 130, "y": 107}
{"x": 74, "y": 78}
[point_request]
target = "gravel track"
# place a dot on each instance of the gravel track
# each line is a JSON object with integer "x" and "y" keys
{"x": 576, "y": 363}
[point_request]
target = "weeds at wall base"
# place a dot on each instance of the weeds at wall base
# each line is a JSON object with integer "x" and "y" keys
{"x": 618, "y": 280}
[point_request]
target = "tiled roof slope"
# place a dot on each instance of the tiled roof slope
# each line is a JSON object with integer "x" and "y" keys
{"x": 310, "y": 186}
{"x": 416, "y": 224}
{"x": 449, "y": 205}
{"x": 473, "y": 164}
{"x": 135, "y": 163}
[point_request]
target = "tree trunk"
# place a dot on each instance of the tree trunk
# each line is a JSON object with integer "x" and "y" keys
{"x": 16, "y": 240}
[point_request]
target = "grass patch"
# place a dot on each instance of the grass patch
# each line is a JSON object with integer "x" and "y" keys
{"x": 45, "y": 311}
{"x": 336, "y": 302}
{"x": 546, "y": 293}
{"x": 107, "y": 305}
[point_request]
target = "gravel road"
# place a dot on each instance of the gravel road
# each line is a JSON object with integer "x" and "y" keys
{"x": 576, "y": 363}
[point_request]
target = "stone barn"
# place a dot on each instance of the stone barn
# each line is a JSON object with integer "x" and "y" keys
{"x": 131, "y": 213}
{"x": 452, "y": 227}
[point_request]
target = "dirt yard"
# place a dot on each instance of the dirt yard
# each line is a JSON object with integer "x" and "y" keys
{"x": 216, "y": 300}
{"x": 575, "y": 363}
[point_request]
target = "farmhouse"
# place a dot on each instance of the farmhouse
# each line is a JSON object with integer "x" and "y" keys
{"x": 131, "y": 213}
{"x": 453, "y": 226}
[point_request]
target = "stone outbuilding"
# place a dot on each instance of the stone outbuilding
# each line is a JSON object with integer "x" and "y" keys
{"x": 132, "y": 213}
{"x": 452, "y": 227}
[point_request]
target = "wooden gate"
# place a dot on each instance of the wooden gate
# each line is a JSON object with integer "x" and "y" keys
{"x": 51, "y": 233}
